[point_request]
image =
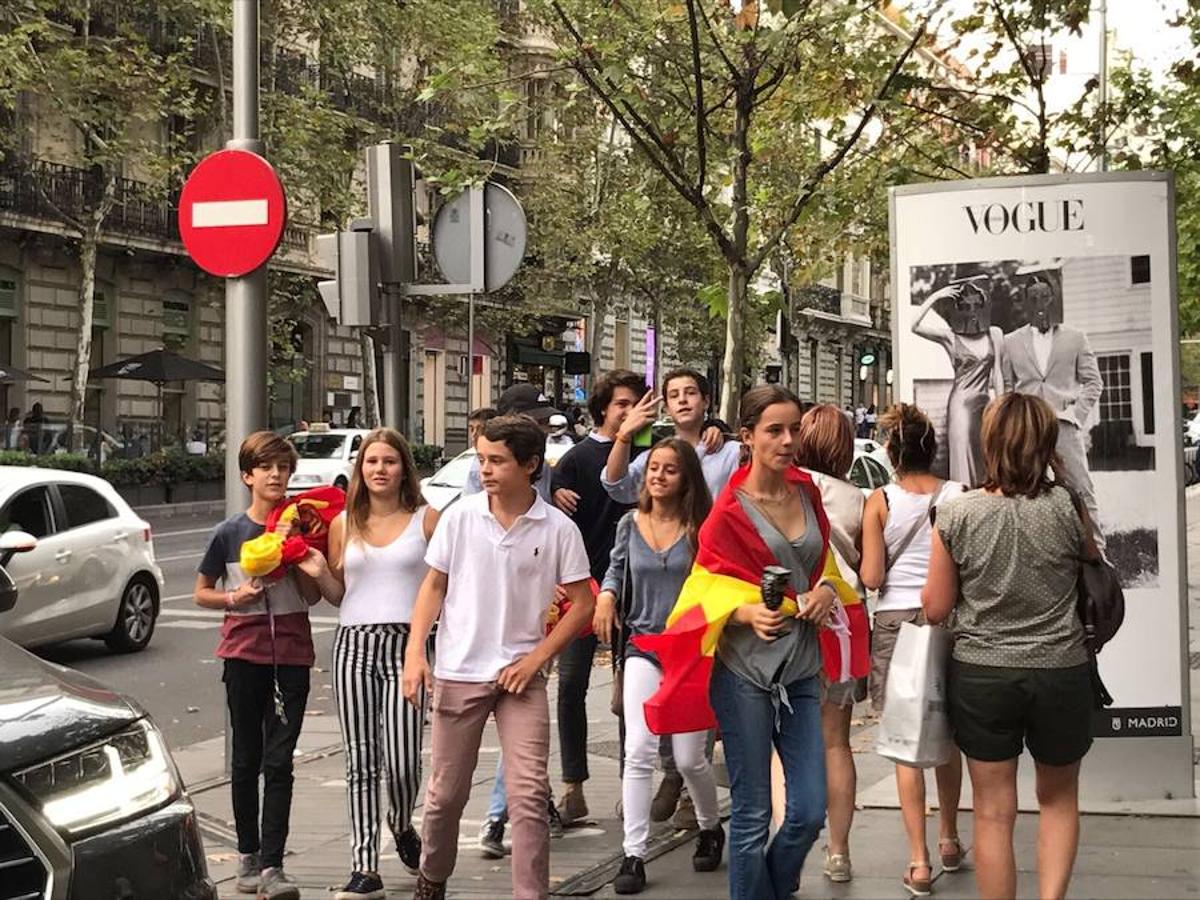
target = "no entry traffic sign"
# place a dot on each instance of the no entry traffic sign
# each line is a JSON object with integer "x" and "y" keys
{"x": 232, "y": 212}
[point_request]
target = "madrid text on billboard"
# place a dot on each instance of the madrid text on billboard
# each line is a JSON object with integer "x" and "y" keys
{"x": 1027, "y": 216}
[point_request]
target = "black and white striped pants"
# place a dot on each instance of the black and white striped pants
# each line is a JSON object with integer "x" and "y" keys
{"x": 380, "y": 730}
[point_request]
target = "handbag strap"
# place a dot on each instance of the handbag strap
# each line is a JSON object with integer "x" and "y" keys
{"x": 618, "y": 652}
{"x": 911, "y": 534}
{"x": 1091, "y": 553}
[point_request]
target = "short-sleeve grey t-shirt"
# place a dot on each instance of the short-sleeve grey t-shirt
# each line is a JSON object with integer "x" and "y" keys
{"x": 1018, "y": 566}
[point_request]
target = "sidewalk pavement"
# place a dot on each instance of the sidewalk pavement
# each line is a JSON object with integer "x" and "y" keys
{"x": 1120, "y": 856}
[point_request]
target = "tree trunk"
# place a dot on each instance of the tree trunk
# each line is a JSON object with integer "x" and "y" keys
{"x": 596, "y": 335}
{"x": 366, "y": 345}
{"x": 658, "y": 342}
{"x": 739, "y": 277}
{"x": 89, "y": 246}
{"x": 735, "y": 351}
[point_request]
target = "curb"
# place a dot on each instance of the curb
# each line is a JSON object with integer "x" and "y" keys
{"x": 177, "y": 510}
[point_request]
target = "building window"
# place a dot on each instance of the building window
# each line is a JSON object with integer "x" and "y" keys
{"x": 1139, "y": 270}
{"x": 100, "y": 313}
{"x": 1116, "y": 401}
{"x": 814, "y": 367}
{"x": 1148, "y": 393}
{"x": 8, "y": 295}
{"x": 858, "y": 275}
{"x": 621, "y": 344}
{"x": 8, "y": 326}
{"x": 177, "y": 321}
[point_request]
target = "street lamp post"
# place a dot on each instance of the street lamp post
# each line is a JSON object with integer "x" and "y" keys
{"x": 246, "y": 349}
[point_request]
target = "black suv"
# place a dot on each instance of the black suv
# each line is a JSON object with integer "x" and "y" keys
{"x": 91, "y": 804}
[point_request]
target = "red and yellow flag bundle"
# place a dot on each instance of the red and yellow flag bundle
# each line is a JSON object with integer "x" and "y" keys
{"x": 726, "y": 574}
{"x": 269, "y": 554}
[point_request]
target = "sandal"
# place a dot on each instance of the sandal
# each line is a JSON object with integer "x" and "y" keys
{"x": 952, "y": 861}
{"x": 918, "y": 887}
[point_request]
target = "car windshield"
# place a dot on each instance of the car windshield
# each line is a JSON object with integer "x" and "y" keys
{"x": 859, "y": 475}
{"x": 453, "y": 473}
{"x": 319, "y": 446}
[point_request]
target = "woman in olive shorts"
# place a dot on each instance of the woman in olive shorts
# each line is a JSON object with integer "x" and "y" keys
{"x": 1005, "y": 560}
{"x": 895, "y": 559}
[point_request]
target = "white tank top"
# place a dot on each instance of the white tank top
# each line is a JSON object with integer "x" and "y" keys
{"x": 382, "y": 582}
{"x": 903, "y": 581}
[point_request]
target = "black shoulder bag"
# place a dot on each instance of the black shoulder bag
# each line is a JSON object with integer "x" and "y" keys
{"x": 1101, "y": 602}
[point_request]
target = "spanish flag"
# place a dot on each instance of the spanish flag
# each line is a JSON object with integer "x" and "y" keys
{"x": 727, "y": 573}
{"x": 269, "y": 555}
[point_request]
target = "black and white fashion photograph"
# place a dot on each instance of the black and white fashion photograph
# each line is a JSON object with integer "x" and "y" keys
{"x": 1066, "y": 330}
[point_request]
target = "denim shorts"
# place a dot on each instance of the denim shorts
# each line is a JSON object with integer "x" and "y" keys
{"x": 994, "y": 709}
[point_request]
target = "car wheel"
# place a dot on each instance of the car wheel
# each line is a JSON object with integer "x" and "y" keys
{"x": 135, "y": 617}
{"x": 341, "y": 482}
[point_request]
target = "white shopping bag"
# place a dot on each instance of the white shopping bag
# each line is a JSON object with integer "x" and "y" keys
{"x": 915, "y": 729}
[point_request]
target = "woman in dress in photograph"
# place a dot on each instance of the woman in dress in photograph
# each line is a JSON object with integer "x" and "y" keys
{"x": 975, "y": 348}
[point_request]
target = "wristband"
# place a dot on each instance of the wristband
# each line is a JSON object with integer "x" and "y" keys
{"x": 624, "y": 439}
{"x": 228, "y": 601}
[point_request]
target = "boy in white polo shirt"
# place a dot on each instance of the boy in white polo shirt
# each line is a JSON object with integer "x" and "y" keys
{"x": 494, "y": 562}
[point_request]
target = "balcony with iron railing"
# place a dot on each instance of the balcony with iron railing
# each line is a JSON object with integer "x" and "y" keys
{"x": 48, "y": 191}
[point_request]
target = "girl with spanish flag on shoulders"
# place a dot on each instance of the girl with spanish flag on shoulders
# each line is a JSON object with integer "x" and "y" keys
{"x": 764, "y": 683}
{"x": 651, "y": 558}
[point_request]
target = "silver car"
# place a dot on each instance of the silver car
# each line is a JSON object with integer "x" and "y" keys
{"x": 92, "y": 573}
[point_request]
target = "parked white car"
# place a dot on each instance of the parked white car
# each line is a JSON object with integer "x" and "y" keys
{"x": 92, "y": 573}
{"x": 327, "y": 457}
{"x": 443, "y": 487}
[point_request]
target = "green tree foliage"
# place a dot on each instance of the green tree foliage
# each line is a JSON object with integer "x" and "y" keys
{"x": 1176, "y": 147}
{"x": 102, "y": 73}
{"x": 744, "y": 111}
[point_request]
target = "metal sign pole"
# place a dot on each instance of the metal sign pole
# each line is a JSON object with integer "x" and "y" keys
{"x": 478, "y": 277}
{"x": 246, "y": 297}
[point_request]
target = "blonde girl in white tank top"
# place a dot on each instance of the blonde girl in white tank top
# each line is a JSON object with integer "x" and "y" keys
{"x": 893, "y": 541}
{"x": 377, "y": 554}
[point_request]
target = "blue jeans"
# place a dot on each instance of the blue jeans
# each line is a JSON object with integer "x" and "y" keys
{"x": 747, "y": 719}
{"x": 498, "y": 804}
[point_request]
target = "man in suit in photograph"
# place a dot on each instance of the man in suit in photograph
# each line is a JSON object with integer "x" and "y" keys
{"x": 1054, "y": 361}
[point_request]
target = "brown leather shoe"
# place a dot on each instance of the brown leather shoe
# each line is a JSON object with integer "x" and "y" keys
{"x": 429, "y": 890}
{"x": 573, "y": 807}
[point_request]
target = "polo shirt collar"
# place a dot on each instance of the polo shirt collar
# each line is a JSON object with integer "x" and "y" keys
{"x": 537, "y": 511}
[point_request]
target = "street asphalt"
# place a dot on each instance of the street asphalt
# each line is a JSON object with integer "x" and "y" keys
{"x": 177, "y": 678}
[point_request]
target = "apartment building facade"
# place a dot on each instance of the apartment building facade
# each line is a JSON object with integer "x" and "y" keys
{"x": 150, "y": 295}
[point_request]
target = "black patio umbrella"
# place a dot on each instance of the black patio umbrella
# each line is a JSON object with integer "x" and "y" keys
{"x": 11, "y": 375}
{"x": 158, "y": 367}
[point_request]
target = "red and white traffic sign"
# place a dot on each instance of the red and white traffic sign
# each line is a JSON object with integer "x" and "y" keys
{"x": 232, "y": 212}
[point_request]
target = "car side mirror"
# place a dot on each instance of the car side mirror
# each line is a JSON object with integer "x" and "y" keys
{"x": 13, "y": 542}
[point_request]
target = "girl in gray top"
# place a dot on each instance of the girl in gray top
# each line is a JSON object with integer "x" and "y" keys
{"x": 1005, "y": 561}
{"x": 650, "y": 560}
